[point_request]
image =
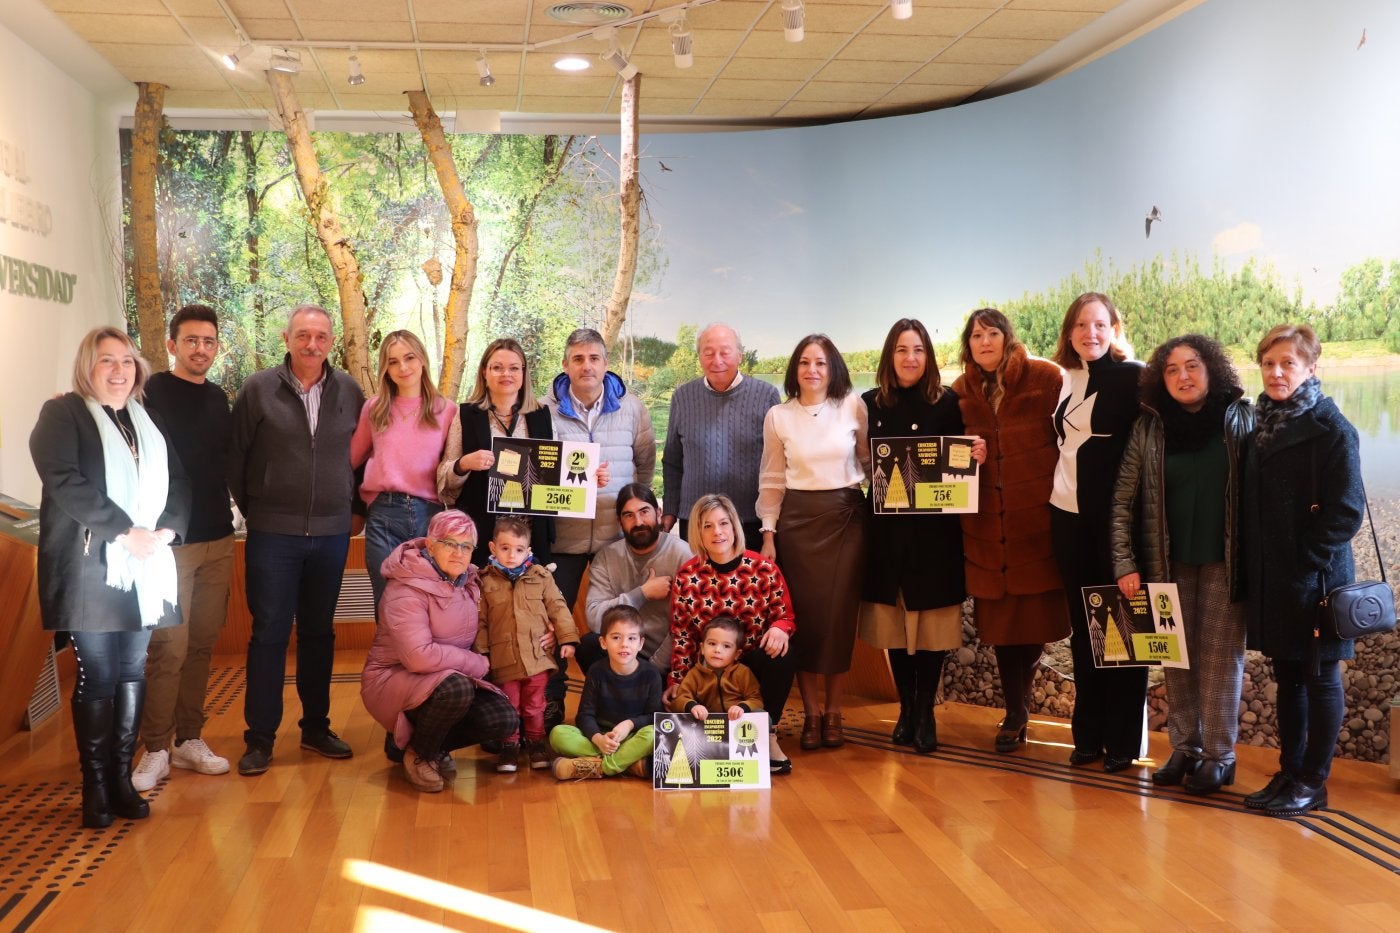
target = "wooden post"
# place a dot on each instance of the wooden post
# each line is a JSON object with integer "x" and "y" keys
{"x": 328, "y": 230}
{"x": 630, "y": 208}
{"x": 145, "y": 151}
{"x": 459, "y": 208}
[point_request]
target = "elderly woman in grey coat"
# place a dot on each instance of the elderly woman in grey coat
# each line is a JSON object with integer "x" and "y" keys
{"x": 1176, "y": 520}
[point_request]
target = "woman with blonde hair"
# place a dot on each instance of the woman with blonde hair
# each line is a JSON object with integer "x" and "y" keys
{"x": 501, "y": 404}
{"x": 114, "y": 499}
{"x": 399, "y": 442}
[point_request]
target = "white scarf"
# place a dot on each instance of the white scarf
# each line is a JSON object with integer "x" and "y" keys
{"x": 141, "y": 489}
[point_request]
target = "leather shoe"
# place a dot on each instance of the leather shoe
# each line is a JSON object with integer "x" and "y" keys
{"x": 833, "y": 735}
{"x": 1209, "y": 777}
{"x": 1297, "y": 798}
{"x": 1083, "y": 756}
{"x": 256, "y": 759}
{"x": 811, "y": 733}
{"x": 391, "y": 749}
{"x": 1260, "y": 798}
{"x": 325, "y": 743}
{"x": 1178, "y": 766}
{"x": 1115, "y": 763}
{"x": 1010, "y": 736}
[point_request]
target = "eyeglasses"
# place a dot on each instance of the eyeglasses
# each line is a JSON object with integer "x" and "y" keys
{"x": 497, "y": 369}
{"x": 194, "y": 343}
{"x": 461, "y": 547}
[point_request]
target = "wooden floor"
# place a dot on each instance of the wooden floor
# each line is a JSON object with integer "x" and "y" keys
{"x": 863, "y": 838}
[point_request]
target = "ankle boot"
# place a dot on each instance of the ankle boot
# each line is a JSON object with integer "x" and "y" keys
{"x": 926, "y": 733}
{"x": 126, "y": 723}
{"x": 905, "y": 726}
{"x": 92, "y": 724}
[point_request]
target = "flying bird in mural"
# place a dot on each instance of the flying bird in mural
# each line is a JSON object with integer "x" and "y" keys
{"x": 664, "y": 166}
{"x": 1363, "y": 40}
{"x": 1152, "y": 215}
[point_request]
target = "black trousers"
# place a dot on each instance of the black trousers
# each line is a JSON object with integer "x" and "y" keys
{"x": 1108, "y": 702}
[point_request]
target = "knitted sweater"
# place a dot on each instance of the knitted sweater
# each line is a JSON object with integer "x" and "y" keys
{"x": 754, "y": 592}
{"x": 1097, "y": 408}
{"x": 198, "y": 426}
{"x": 404, "y": 456}
{"x": 714, "y": 442}
{"x": 609, "y": 698}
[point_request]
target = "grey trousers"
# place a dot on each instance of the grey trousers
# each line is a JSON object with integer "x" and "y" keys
{"x": 1203, "y": 702}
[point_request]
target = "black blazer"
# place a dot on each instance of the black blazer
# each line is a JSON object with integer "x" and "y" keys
{"x": 76, "y": 519}
{"x": 476, "y": 435}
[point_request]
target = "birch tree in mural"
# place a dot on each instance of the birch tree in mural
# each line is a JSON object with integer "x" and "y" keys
{"x": 630, "y": 198}
{"x": 145, "y": 150}
{"x": 322, "y": 216}
{"x": 464, "y": 237}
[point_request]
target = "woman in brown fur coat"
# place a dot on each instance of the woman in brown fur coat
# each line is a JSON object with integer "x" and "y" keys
{"x": 1008, "y": 398}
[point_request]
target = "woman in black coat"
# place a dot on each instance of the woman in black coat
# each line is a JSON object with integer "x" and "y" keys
{"x": 114, "y": 499}
{"x": 913, "y": 592}
{"x": 1303, "y": 503}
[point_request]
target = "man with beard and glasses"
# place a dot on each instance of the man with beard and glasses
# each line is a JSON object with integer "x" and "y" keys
{"x": 635, "y": 571}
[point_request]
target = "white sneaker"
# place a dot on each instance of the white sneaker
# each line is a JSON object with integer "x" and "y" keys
{"x": 194, "y": 755}
{"x": 154, "y": 767}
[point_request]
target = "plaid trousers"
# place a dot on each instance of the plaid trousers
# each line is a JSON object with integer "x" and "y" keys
{"x": 1203, "y": 702}
{"x": 458, "y": 714}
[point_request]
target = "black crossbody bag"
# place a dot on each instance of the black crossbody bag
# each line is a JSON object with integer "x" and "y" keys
{"x": 1356, "y": 609}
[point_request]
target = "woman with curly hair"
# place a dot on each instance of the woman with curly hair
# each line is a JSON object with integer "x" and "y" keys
{"x": 1176, "y": 519}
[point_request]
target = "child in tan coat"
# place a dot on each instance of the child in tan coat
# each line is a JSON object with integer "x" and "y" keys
{"x": 719, "y": 683}
{"x": 523, "y": 615}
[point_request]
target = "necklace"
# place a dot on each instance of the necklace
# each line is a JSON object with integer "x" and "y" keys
{"x": 130, "y": 439}
{"x": 507, "y": 427}
{"x": 816, "y": 409}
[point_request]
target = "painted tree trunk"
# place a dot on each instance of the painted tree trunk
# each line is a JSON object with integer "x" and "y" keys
{"x": 467, "y": 249}
{"x": 253, "y": 242}
{"x": 348, "y": 279}
{"x": 145, "y": 149}
{"x": 631, "y": 205}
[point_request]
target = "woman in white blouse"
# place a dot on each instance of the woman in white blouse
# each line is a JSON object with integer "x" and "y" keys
{"x": 815, "y": 457}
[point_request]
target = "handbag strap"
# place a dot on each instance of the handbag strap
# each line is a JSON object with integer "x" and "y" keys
{"x": 1317, "y": 507}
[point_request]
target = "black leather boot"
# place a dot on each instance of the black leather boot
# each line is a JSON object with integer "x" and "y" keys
{"x": 902, "y": 669}
{"x": 926, "y": 733}
{"x": 92, "y": 724}
{"x": 126, "y": 723}
{"x": 1300, "y": 796}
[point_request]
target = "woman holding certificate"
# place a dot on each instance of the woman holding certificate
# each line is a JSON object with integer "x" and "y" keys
{"x": 1176, "y": 519}
{"x": 912, "y": 600}
{"x": 502, "y": 404}
{"x": 1098, "y": 406}
{"x": 1007, "y": 397}
{"x": 812, "y": 515}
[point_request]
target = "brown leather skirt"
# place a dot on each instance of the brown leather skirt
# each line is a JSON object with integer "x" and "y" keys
{"x": 821, "y": 552}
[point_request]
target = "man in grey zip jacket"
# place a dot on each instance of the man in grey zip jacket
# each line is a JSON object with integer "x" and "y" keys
{"x": 289, "y": 472}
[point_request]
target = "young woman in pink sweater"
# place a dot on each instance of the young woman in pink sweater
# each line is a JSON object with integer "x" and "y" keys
{"x": 399, "y": 442}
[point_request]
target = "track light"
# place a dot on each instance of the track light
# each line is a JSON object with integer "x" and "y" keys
{"x": 682, "y": 46}
{"x": 902, "y": 9}
{"x": 232, "y": 59}
{"x": 357, "y": 77}
{"x": 625, "y": 69}
{"x": 793, "y": 17}
{"x": 286, "y": 61}
{"x": 484, "y": 70}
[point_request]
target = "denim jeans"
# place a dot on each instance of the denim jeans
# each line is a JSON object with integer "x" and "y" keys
{"x": 106, "y": 659}
{"x": 291, "y": 576}
{"x": 394, "y": 517}
{"x": 1311, "y": 708}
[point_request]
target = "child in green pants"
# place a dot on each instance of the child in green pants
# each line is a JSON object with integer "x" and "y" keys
{"x": 613, "y": 731}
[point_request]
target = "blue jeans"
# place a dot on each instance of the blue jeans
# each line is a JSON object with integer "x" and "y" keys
{"x": 291, "y": 576}
{"x": 106, "y": 659}
{"x": 394, "y": 517}
{"x": 1311, "y": 708}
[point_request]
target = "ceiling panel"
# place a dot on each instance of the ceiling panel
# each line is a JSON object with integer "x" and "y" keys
{"x": 855, "y": 59}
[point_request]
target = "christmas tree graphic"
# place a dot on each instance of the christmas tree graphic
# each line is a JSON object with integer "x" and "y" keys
{"x": 679, "y": 772}
{"x": 879, "y": 482}
{"x": 512, "y": 495}
{"x": 1114, "y": 648}
{"x": 897, "y": 496}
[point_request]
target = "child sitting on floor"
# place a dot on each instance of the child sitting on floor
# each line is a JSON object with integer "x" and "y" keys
{"x": 719, "y": 683}
{"x": 520, "y": 605}
{"x": 613, "y": 731}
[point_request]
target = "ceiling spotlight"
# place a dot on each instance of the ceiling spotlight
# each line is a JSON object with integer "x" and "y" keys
{"x": 232, "y": 59}
{"x": 625, "y": 69}
{"x": 357, "y": 77}
{"x": 484, "y": 70}
{"x": 682, "y": 45}
{"x": 793, "y": 16}
{"x": 902, "y": 9}
{"x": 572, "y": 63}
{"x": 286, "y": 61}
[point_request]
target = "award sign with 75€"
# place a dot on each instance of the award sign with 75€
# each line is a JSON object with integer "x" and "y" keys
{"x": 543, "y": 477}
{"x": 922, "y": 475}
